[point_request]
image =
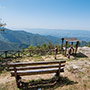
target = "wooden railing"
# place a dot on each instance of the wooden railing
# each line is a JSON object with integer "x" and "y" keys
{"x": 25, "y": 52}
{"x": 10, "y": 53}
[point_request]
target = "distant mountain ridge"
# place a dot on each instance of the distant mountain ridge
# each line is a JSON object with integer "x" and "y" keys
{"x": 18, "y": 39}
{"x": 83, "y": 35}
{"x": 11, "y": 39}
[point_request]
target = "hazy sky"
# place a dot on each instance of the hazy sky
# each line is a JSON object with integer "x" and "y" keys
{"x": 54, "y": 14}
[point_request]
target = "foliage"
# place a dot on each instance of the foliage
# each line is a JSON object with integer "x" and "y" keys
{"x": 2, "y": 25}
{"x": 88, "y": 44}
{"x": 44, "y": 46}
{"x": 21, "y": 39}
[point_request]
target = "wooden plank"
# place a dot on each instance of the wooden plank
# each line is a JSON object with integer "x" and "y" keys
{"x": 71, "y": 39}
{"x": 15, "y": 70}
{"x": 36, "y": 67}
{"x": 34, "y": 72}
{"x": 35, "y": 63}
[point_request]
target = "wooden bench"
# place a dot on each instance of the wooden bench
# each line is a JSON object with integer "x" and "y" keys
{"x": 34, "y": 68}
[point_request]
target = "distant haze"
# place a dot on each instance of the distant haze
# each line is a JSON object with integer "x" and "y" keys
{"x": 83, "y": 35}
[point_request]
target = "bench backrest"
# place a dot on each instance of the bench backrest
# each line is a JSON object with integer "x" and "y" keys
{"x": 36, "y": 65}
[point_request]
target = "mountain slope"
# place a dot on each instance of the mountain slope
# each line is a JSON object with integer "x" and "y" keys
{"x": 22, "y": 39}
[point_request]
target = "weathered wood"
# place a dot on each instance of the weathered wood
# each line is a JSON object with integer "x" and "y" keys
{"x": 10, "y": 53}
{"x": 36, "y": 67}
{"x": 15, "y": 53}
{"x": 71, "y": 39}
{"x": 6, "y": 54}
{"x": 66, "y": 48}
{"x": 62, "y": 43}
{"x": 43, "y": 68}
{"x": 76, "y": 47}
{"x": 15, "y": 74}
{"x": 18, "y": 53}
{"x": 35, "y": 63}
{"x": 72, "y": 43}
{"x": 34, "y": 72}
{"x": 59, "y": 70}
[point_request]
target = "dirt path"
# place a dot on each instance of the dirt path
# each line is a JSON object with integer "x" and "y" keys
{"x": 74, "y": 70}
{"x": 6, "y": 77}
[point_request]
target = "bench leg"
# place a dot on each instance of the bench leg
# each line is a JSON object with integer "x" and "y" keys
{"x": 19, "y": 80}
{"x": 59, "y": 71}
{"x": 16, "y": 77}
{"x": 58, "y": 77}
{"x": 16, "y": 81}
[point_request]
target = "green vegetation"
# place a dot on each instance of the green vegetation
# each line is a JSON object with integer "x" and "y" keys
{"x": 44, "y": 46}
{"x": 14, "y": 40}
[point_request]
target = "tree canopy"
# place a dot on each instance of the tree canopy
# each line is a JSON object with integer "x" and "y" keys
{"x": 2, "y": 25}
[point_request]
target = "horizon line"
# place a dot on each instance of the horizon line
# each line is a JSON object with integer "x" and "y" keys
{"x": 44, "y": 28}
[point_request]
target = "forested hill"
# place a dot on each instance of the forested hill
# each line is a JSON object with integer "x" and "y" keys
{"x": 11, "y": 39}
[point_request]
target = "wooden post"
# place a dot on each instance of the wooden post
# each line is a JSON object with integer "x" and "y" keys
{"x": 15, "y": 70}
{"x": 62, "y": 43}
{"x": 72, "y": 43}
{"x": 18, "y": 53}
{"x": 73, "y": 48}
{"x": 62, "y": 46}
{"x": 76, "y": 47}
{"x": 66, "y": 48}
{"x": 59, "y": 71}
{"x": 6, "y": 54}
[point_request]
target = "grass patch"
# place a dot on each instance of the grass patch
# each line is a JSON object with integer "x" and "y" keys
{"x": 81, "y": 74}
{"x": 89, "y": 77}
{"x": 39, "y": 80}
{"x": 37, "y": 58}
{"x": 31, "y": 81}
{"x": 69, "y": 59}
{"x": 70, "y": 69}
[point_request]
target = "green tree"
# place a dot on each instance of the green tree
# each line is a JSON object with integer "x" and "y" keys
{"x": 31, "y": 47}
{"x": 38, "y": 47}
{"x": 44, "y": 46}
{"x": 50, "y": 45}
{"x": 2, "y": 25}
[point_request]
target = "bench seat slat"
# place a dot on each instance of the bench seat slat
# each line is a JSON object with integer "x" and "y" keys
{"x": 36, "y": 67}
{"x": 35, "y": 63}
{"x": 34, "y": 72}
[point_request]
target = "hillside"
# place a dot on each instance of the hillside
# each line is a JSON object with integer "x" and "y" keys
{"x": 11, "y": 39}
{"x": 18, "y": 39}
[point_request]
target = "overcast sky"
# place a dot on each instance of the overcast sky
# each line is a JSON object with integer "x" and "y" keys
{"x": 51, "y": 14}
